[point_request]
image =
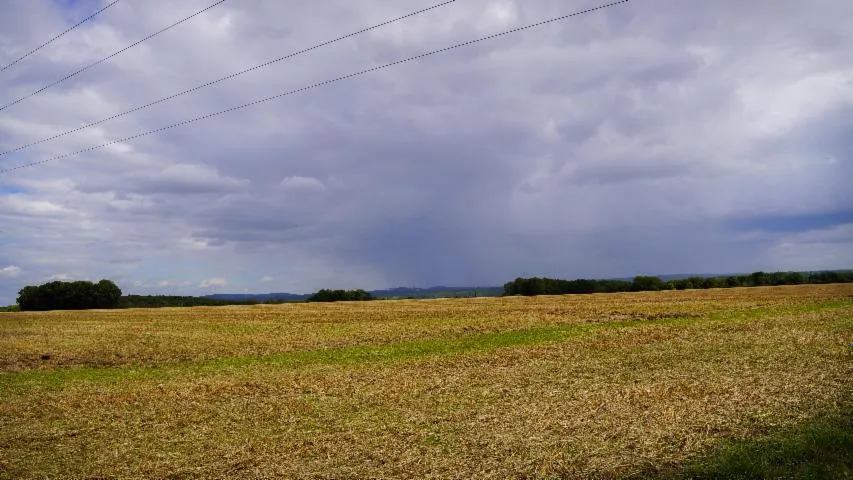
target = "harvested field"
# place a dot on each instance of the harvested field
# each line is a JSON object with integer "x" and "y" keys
{"x": 653, "y": 384}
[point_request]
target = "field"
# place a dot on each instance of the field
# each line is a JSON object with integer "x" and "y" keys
{"x": 705, "y": 384}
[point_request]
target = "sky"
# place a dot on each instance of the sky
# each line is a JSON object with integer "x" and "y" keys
{"x": 651, "y": 137}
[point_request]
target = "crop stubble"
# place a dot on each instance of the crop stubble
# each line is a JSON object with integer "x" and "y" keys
{"x": 589, "y": 386}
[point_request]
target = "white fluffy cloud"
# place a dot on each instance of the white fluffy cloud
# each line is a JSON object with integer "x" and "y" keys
{"x": 654, "y": 137}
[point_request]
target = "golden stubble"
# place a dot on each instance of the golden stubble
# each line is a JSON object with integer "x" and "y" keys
{"x": 154, "y": 336}
{"x": 605, "y": 403}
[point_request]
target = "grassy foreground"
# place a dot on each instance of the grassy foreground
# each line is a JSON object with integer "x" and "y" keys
{"x": 735, "y": 383}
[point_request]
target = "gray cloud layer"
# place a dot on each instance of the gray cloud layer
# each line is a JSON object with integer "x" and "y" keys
{"x": 660, "y": 136}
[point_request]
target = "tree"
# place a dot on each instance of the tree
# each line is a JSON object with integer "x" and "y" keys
{"x": 29, "y": 298}
{"x": 759, "y": 278}
{"x": 78, "y": 295}
{"x": 643, "y": 283}
{"x": 107, "y": 294}
{"x": 326, "y": 295}
{"x": 794, "y": 278}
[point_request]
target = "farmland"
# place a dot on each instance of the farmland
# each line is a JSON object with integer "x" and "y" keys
{"x": 629, "y": 385}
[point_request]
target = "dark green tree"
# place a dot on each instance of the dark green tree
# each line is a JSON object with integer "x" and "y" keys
{"x": 326, "y": 295}
{"x": 758, "y": 279}
{"x": 107, "y": 294}
{"x": 29, "y": 298}
{"x": 794, "y": 278}
{"x": 645, "y": 283}
{"x": 79, "y": 295}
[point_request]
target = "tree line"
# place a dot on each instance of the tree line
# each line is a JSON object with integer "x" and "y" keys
{"x": 551, "y": 286}
{"x": 159, "y": 301}
{"x": 162, "y": 301}
{"x": 82, "y": 295}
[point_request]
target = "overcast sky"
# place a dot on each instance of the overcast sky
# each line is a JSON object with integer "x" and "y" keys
{"x": 658, "y": 136}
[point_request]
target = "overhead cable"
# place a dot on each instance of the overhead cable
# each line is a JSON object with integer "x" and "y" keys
{"x": 81, "y": 22}
{"x": 73, "y": 74}
{"x": 227, "y": 77}
{"x": 315, "y": 85}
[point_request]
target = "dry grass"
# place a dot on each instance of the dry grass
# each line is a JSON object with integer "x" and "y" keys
{"x": 601, "y": 386}
{"x": 150, "y": 336}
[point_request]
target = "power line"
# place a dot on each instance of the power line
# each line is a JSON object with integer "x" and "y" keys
{"x": 317, "y": 85}
{"x": 227, "y": 77}
{"x": 81, "y": 22}
{"x": 110, "y": 56}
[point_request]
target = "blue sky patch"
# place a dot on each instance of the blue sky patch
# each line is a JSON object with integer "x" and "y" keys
{"x": 10, "y": 189}
{"x": 796, "y": 223}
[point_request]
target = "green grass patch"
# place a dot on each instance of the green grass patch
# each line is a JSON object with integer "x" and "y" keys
{"x": 820, "y": 449}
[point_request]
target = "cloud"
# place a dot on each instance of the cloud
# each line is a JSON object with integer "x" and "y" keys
{"x": 213, "y": 282}
{"x": 10, "y": 272}
{"x": 173, "y": 283}
{"x": 637, "y": 139}
{"x": 61, "y": 277}
{"x": 174, "y": 179}
{"x": 21, "y": 205}
{"x": 302, "y": 183}
{"x": 267, "y": 279}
